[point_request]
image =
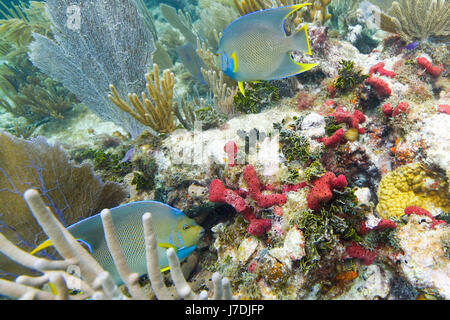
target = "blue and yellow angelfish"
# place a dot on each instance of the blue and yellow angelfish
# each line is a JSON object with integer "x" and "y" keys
{"x": 255, "y": 46}
{"x": 172, "y": 227}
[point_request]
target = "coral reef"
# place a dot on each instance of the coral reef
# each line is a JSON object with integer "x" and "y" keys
{"x": 331, "y": 184}
{"x": 31, "y": 94}
{"x": 95, "y": 283}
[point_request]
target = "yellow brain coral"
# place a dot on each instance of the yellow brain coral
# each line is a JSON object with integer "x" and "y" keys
{"x": 411, "y": 185}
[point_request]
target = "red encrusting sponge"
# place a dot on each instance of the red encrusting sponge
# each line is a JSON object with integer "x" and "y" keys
{"x": 402, "y": 107}
{"x": 379, "y": 68}
{"x": 422, "y": 212}
{"x": 380, "y": 86}
{"x": 433, "y": 71}
{"x": 354, "y": 250}
{"x": 382, "y": 225}
{"x": 387, "y": 110}
{"x": 218, "y": 193}
{"x": 257, "y": 226}
{"x": 333, "y": 140}
{"x": 231, "y": 150}
{"x": 254, "y": 189}
{"x": 321, "y": 192}
{"x": 444, "y": 108}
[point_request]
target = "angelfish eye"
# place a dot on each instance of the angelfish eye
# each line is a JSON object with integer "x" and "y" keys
{"x": 186, "y": 226}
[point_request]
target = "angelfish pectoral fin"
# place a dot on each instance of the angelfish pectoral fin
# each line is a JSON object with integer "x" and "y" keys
{"x": 48, "y": 243}
{"x": 52, "y": 288}
{"x": 241, "y": 87}
{"x": 42, "y": 246}
{"x": 166, "y": 245}
{"x": 164, "y": 269}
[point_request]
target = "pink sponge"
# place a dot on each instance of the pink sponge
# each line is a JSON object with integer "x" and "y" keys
{"x": 444, "y": 108}
{"x": 321, "y": 191}
{"x": 218, "y": 193}
{"x": 254, "y": 189}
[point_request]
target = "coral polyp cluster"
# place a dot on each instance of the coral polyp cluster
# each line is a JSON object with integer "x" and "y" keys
{"x": 411, "y": 185}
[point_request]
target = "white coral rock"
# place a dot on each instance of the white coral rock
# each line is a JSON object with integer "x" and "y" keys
{"x": 293, "y": 248}
{"x": 425, "y": 263}
{"x": 313, "y": 125}
{"x": 247, "y": 248}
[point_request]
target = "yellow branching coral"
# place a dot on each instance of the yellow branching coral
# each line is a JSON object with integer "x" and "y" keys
{"x": 411, "y": 185}
{"x": 317, "y": 12}
{"x": 418, "y": 19}
{"x": 156, "y": 113}
{"x": 247, "y": 6}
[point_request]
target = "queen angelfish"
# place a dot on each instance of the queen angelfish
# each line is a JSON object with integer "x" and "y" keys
{"x": 255, "y": 46}
{"x": 173, "y": 229}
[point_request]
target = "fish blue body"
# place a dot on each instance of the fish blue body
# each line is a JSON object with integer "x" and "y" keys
{"x": 255, "y": 46}
{"x": 172, "y": 227}
{"x": 412, "y": 45}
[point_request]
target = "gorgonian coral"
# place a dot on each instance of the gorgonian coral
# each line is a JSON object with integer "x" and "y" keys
{"x": 418, "y": 19}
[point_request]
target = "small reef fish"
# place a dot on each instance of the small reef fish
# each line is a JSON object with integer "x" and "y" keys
{"x": 127, "y": 156}
{"x": 172, "y": 227}
{"x": 255, "y": 46}
{"x": 412, "y": 45}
